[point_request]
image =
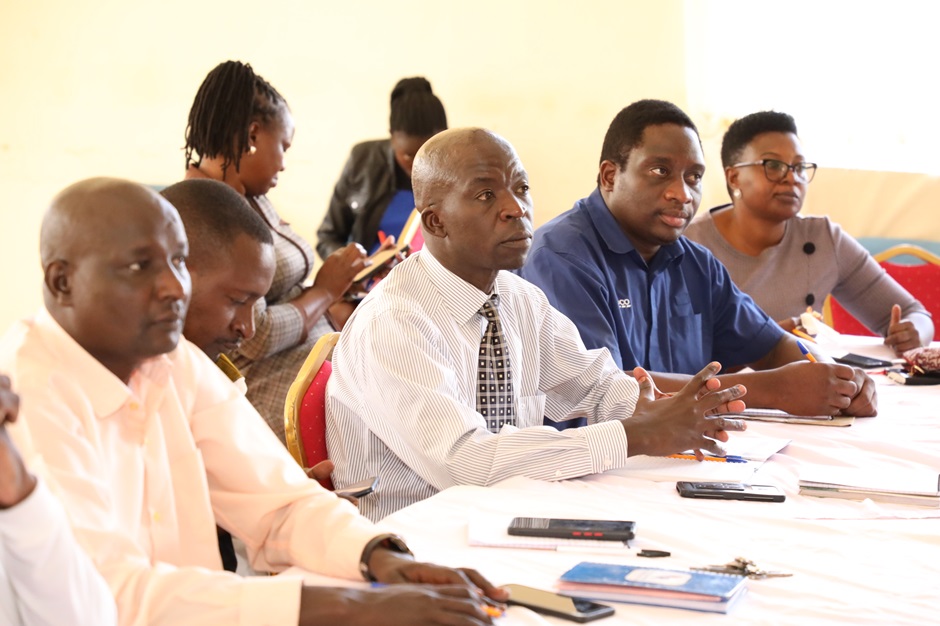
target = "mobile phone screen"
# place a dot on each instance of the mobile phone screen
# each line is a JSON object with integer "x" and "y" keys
{"x": 575, "y": 609}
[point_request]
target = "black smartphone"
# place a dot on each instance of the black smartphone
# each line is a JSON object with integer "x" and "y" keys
{"x": 611, "y": 530}
{"x": 565, "y": 607}
{"x": 730, "y": 491}
{"x": 864, "y": 362}
{"x": 362, "y": 488}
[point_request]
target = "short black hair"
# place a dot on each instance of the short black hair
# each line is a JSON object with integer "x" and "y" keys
{"x": 626, "y": 131}
{"x": 214, "y": 215}
{"x": 416, "y": 111}
{"x": 742, "y": 132}
{"x": 230, "y": 98}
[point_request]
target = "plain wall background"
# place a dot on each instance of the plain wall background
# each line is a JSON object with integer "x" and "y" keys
{"x": 104, "y": 88}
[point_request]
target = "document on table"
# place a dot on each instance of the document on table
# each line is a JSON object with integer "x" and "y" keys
{"x": 775, "y": 415}
{"x": 898, "y": 486}
{"x": 664, "y": 469}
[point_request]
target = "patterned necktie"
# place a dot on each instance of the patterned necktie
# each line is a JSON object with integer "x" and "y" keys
{"x": 494, "y": 381}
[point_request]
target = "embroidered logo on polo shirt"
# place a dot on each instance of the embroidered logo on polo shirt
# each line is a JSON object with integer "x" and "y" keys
{"x": 624, "y": 303}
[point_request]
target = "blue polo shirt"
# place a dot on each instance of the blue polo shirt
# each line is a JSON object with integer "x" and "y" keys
{"x": 674, "y": 315}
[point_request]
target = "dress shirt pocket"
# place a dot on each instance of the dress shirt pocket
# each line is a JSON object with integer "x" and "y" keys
{"x": 530, "y": 410}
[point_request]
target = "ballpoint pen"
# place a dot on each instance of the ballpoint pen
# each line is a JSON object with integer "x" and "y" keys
{"x": 731, "y": 458}
{"x": 809, "y": 355}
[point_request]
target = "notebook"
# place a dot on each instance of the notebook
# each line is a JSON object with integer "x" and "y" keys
{"x": 894, "y": 486}
{"x": 682, "y": 589}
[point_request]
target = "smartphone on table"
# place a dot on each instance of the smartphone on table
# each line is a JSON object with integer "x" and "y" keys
{"x": 730, "y": 491}
{"x": 359, "y": 489}
{"x": 557, "y": 605}
{"x": 864, "y": 362}
{"x": 611, "y": 530}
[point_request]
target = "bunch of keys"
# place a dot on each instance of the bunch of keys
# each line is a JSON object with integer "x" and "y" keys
{"x": 742, "y": 567}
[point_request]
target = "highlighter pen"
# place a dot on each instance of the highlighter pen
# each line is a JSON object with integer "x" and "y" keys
{"x": 809, "y": 355}
{"x": 731, "y": 458}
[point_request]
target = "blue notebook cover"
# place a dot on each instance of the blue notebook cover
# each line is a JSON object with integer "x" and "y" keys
{"x": 632, "y": 579}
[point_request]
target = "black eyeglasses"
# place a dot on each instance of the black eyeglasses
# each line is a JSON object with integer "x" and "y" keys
{"x": 776, "y": 170}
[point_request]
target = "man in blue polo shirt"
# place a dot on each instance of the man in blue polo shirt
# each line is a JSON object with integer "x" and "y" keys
{"x": 617, "y": 265}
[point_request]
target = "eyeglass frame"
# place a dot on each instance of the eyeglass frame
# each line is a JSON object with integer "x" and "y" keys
{"x": 802, "y": 164}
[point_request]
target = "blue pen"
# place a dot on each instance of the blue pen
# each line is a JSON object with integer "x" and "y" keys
{"x": 809, "y": 355}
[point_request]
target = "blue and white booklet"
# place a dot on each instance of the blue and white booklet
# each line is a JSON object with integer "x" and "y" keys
{"x": 682, "y": 589}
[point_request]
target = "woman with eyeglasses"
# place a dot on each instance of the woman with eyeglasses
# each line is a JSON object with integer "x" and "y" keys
{"x": 785, "y": 261}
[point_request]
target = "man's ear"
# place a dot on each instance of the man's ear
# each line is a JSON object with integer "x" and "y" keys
{"x": 431, "y": 222}
{"x": 57, "y": 278}
{"x": 608, "y": 173}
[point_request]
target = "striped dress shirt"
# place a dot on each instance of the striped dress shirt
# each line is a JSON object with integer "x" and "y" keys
{"x": 401, "y": 399}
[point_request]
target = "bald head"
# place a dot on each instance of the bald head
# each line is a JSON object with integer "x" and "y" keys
{"x": 476, "y": 212}
{"x": 437, "y": 164}
{"x": 114, "y": 271}
{"x": 84, "y": 213}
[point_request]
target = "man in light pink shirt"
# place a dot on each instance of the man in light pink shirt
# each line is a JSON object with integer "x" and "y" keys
{"x": 45, "y": 578}
{"x": 151, "y": 445}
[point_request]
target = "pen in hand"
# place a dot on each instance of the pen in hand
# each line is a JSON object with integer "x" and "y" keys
{"x": 809, "y": 355}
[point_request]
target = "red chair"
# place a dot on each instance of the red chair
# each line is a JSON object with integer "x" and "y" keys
{"x": 305, "y": 407}
{"x": 921, "y": 280}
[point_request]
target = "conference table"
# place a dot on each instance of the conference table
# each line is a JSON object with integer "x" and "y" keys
{"x": 852, "y": 562}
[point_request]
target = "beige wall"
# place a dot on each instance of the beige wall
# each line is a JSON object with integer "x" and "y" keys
{"x": 103, "y": 88}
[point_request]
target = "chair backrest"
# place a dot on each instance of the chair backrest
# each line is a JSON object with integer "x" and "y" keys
{"x": 305, "y": 407}
{"x": 921, "y": 280}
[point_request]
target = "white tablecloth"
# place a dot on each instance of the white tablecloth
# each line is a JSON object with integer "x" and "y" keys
{"x": 852, "y": 562}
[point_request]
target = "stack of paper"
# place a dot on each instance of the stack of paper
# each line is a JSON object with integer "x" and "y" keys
{"x": 681, "y": 589}
{"x": 773, "y": 415}
{"x": 919, "y": 487}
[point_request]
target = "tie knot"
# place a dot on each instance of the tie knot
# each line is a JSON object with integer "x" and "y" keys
{"x": 488, "y": 310}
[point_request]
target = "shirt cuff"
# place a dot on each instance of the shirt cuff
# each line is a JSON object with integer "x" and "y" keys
{"x": 34, "y": 519}
{"x": 607, "y": 443}
{"x": 269, "y": 601}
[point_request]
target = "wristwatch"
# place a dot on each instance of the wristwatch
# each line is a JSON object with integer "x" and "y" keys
{"x": 389, "y": 542}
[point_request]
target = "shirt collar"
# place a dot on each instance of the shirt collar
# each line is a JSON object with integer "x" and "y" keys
{"x": 462, "y": 299}
{"x": 615, "y": 239}
{"x": 105, "y": 392}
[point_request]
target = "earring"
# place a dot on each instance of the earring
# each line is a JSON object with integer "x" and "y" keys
{"x": 736, "y": 193}
{"x": 252, "y": 149}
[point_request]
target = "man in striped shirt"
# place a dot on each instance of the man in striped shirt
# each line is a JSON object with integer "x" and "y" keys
{"x": 402, "y": 401}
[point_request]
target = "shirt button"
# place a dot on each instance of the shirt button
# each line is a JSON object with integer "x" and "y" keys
{"x": 156, "y": 517}
{"x": 557, "y": 473}
{"x": 608, "y": 464}
{"x": 133, "y": 406}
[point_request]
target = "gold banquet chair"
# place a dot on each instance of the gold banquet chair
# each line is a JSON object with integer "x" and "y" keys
{"x": 305, "y": 407}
